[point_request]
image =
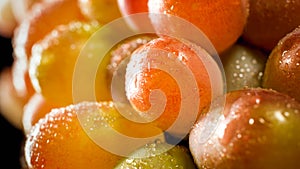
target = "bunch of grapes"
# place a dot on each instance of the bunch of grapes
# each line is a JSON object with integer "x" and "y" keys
{"x": 126, "y": 84}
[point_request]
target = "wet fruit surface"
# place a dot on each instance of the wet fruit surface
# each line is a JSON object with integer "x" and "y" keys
{"x": 216, "y": 19}
{"x": 59, "y": 139}
{"x": 282, "y": 70}
{"x": 76, "y": 131}
{"x": 158, "y": 155}
{"x": 51, "y": 65}
{"x": 76, "y": 112}
{"x": 243, "y": 66}
{"x": 42, "y": 20}
{"x": 35, "y": 109}
{"x": 141, "y": 79}
{"x": 257, "y": 129}
{"x": 124, "y": 50}
{"x": 270, "y": 20}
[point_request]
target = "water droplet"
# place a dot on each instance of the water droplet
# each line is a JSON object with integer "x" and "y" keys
{"x": 172, "y": 7}
{"x": 130, "y": 160}
{"x": 286, "y": 114}
{"x": 279, "y": 116}
{"x": 261, "y": 120}
{"x": 251, "y": 121}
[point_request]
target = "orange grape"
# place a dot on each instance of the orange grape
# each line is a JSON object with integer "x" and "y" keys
{"x": 59, "y": 140}
{"x": 141, "y": 79}
{"x": 41, "y": 20}
{"x": 269, "y": 21}
{"x": 222, "y": 21}
{"x": 54, "y": 58}
{"x": 256, "y": 128}
{"x": 282, "y": 71}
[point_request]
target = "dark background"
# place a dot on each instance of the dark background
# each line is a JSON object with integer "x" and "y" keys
{"x": 11, "y": 138}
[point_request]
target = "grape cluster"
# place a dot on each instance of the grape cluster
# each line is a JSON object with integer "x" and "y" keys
{"x": 153, "y": 83}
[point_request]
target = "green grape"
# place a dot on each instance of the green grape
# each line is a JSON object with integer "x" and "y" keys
{"x": 243, "y": 67}
{"x": 158, "y": 155}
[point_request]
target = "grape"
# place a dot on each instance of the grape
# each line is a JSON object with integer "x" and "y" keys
{"x": 282, "y": 71}
{"x": 243, "y": 66}
{"x": 258, "y": 128}
{"x": 158, "y": 155}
